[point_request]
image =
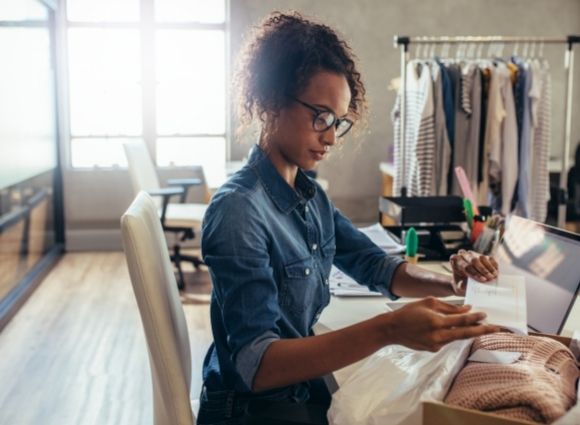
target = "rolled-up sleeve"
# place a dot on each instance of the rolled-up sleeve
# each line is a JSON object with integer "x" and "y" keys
{"x": 361, "y": 259}
{"x": 235, "y": 248}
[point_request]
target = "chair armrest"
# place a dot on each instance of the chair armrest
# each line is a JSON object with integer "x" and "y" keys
{"x": 185, "y": 184}
{"x": 166, "y": 193}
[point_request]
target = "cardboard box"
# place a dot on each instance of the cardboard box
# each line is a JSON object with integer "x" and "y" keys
{"x": 439, "y": 413}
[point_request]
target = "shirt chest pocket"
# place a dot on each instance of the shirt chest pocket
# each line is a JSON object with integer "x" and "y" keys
{"x": 300, "y": 289}
{"x": 328, "y": 250}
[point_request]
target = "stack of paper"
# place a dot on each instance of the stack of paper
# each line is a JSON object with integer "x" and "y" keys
{"x": 383, "y": 239}
{"x": 504, "y": 302}
{"x": 344, "y": 286}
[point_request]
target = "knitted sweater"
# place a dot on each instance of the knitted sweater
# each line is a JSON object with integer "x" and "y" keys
{"x": 539, "y": 387}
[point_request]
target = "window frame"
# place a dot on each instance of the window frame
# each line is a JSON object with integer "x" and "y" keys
{"x": 147, "y": 26}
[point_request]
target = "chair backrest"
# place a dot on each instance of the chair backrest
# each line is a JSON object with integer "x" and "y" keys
{"x": 141, "y": 168}
{"x": 161, "y": 311}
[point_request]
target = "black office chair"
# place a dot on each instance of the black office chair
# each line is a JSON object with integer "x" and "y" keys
{"x": 182, "y": 219}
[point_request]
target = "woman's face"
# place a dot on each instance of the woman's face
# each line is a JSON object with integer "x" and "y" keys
{"x": 294, "y": 142}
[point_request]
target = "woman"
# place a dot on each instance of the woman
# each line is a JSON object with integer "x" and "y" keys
{"x": 271, "y": 235}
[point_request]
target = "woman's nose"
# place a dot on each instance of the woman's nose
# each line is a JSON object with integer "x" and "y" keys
{"x": 328, "y": 137}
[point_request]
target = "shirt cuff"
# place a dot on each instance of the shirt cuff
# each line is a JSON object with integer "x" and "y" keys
{"x": 249, "y": 357}
{"x": 385, "y": 276}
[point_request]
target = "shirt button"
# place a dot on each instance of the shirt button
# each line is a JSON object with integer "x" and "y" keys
{"x": 306, "y": 208}
{"x": 307, "y": 271}
{"x": 314, "y": 247}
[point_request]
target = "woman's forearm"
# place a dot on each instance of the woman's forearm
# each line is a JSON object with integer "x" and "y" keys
{"x": 413, "y": 281}
{"x": 290, "y": 361}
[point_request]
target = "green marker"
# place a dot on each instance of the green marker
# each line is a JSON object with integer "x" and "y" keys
{"x": 412, "y": 243}
{"x": 468, "y": 212}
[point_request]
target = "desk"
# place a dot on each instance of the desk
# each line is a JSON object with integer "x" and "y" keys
{"x": 345, "y": 311}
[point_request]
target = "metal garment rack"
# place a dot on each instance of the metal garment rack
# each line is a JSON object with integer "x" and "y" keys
{"x": 403, "y": 42}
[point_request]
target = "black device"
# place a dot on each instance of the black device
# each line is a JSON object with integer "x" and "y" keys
{"x": 437, "y": 220}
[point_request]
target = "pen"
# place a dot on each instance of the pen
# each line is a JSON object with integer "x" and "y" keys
{"x": 411, "y": 242}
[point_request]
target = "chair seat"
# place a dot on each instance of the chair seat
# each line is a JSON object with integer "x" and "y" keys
{"x": 185, "y": 215}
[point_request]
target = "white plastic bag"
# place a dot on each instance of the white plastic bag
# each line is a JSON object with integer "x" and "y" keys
{"x": 390, "y": 386}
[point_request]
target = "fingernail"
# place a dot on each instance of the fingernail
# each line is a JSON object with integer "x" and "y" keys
{"x": 481, "y": 315}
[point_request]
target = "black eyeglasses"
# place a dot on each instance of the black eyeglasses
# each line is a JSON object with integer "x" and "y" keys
{"x": 325, "y": 119}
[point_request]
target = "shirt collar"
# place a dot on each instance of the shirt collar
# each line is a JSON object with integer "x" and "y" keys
{"x": 285, "y": 198}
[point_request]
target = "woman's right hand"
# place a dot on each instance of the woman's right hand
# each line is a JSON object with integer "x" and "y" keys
{"x": 429, "y": 324}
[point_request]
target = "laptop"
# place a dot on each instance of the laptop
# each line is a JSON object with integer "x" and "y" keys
{"x": 549, "y": 260}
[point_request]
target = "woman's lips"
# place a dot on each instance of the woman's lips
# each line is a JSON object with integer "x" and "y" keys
{"x": 318, "y": 155}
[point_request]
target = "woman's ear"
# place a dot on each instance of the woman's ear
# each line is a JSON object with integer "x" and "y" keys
{"x": 273, "y": 115}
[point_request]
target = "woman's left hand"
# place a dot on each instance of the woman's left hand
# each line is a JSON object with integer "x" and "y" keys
{"x": 467, "y": 264}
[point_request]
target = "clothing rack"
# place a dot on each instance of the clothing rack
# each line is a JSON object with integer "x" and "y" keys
{"x": 403, "y": 42}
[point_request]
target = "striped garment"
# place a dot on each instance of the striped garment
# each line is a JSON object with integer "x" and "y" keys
{"x": 419, "y": 133}
{"x": 466, "y": 86}
{"x": 541, "y": 94}
{"x": 467, "y": 126}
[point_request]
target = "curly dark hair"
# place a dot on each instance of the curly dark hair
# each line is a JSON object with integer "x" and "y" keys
{"x": 281, "y": 56}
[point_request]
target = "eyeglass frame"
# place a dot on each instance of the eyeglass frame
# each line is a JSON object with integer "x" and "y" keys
{"x": 319, "y": 111}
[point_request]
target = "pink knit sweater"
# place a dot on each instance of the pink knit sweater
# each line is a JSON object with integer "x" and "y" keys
{"x": 540, "y": 387}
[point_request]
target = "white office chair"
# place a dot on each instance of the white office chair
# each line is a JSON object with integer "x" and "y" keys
{"x": 183, "y": 219}
{"x": 161, "y": 312}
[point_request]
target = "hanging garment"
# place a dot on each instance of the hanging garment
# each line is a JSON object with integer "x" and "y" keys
{"x": 501, "y": 140}
{"x": 541, "y": 104}
{"x": 523, "y": 102}
{"x": 518, "y": 76}
{"x": 448, "y": 101}
{"x": 467, "y": 126}
{"x": 454, "y": 72}
{"x": 538, "y": 387}
{"x": 494, "y": 116}
{"x": 485, "y": 80}
{"x": 419, "y": 133}
{"x": 442, "y": 146}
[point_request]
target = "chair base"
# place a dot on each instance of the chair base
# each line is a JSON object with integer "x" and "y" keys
{"x": 177, "y": 257}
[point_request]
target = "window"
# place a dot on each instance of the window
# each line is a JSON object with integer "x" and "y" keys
{"x": 152, "y": 70}
{"x": 27, "y": 87}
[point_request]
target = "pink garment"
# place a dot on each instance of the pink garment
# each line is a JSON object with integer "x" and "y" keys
{"x": 539, "y": 387}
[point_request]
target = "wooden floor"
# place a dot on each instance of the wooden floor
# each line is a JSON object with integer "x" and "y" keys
{"x": 76, "y": 354}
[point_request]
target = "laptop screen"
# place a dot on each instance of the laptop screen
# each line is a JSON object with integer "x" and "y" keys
{"x": 549, "y": 259}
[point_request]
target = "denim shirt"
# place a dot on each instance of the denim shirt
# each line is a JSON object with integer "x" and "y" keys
{"x": 269, "y": 249}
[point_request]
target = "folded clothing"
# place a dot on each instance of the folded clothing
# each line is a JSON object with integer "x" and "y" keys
{"x": 539, "y": 387}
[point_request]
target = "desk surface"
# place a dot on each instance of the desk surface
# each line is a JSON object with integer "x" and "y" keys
{"x": 345, "y": 311}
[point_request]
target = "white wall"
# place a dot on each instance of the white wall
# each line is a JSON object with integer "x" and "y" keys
{"x": 369, "y": 26}
{"x": 95, "y": 199}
